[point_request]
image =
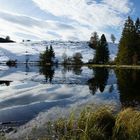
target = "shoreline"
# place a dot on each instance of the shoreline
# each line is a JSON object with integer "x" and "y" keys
{"x": 85, "y": 64}
{"x": 117, "y": 66}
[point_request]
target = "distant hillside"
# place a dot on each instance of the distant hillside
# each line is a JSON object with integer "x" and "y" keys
{"x": 20, "y": 51}
{"x": 3, "y": 40}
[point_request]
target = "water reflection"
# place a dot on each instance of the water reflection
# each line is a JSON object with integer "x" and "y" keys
{"x": 48, "y": 72}
{"x": 6, "y": 83}
{"x": 29, "y": 94}
{"x": 99, "y": 80}
{"x": 129, "y": 86}
{"x": 76, "y": 69}
{"x": 67, "y": 74}
{"x": 111, "y": 89}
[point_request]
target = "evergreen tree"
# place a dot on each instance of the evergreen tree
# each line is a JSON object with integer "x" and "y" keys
{"x": 43, "y": 57}
{"x": 127, "y": 53}
{"x": 102, "y": 52}
{"x": 47, "y": 57}
{"x": 137, "y": 26}
{"x": 51, "y": 55}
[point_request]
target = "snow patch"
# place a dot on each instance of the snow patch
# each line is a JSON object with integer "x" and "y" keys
{"x": 31, "y": 51}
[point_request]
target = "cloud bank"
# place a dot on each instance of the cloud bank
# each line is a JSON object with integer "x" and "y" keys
{"x": 63, "y": 19}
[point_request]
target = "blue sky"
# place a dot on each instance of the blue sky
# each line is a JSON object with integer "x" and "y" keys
{"x": 64, "y": 19}
{"x": 136, "y": 8}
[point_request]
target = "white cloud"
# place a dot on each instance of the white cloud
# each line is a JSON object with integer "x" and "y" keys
{"x": 61, "y": 19}
{"x": 120, "y": 6}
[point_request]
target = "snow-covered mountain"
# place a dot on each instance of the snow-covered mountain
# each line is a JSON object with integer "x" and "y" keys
{"x": 31, "y": 50}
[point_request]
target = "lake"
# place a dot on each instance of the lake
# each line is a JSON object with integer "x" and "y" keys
{"x": 27, "y": 90}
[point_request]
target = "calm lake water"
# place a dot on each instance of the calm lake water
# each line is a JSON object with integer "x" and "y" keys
{"x": 26, "y": 91}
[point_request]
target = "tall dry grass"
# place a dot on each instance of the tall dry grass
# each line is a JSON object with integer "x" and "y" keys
{"x": 101, "y": 124}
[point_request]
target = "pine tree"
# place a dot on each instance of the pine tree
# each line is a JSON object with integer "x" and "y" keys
{"x": 104, "y": 45}
{"x": 43, "y": 57}
{"x": 128, "y": 44}
{"x": 137, "y": 26}
{"x": 47, "y": 56}
{"x": 102, "y": 52}
{"x": 51, "y": 55}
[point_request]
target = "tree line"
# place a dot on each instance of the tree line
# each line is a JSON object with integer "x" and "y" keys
{"x": 128, "y": 48}
{"x": 129, "y": 45}
{"x": 48, "y": 58}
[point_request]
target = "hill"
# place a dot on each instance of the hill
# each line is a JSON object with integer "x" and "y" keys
{"x": 20, "y": 51}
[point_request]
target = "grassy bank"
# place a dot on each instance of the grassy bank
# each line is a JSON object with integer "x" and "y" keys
{"x": 116, "y": 66}
{"x": 102, "y": 124}
{"x": 106, "y": 66}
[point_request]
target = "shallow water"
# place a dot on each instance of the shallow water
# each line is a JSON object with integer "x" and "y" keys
{"x": 26, "y": 91}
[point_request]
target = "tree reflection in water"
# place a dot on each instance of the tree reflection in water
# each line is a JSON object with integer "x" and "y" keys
{"x": 99, "y": 80}
{"x": 48, "y": 72}
{"x": 128, "y": 81}
{"x": 7, "y": 83}
{"x": 76, "y": 69}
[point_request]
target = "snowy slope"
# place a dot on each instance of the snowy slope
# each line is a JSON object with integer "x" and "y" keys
{"x": 20, "y": 51}
{"x": 113, "y": 49}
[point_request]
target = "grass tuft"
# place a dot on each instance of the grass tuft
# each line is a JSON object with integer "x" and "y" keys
{"x": 101, "y": 124}
{"x": 89, "y": 125}
{"x": 127, "y": 125}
